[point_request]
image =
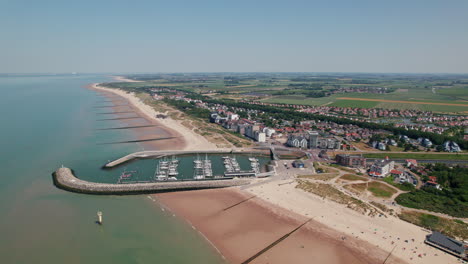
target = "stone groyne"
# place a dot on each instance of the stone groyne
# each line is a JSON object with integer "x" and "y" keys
{"x": 65, "y": 179}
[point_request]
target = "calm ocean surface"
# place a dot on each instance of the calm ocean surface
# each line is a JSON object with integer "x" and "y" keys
{"x": 47, "y": 121}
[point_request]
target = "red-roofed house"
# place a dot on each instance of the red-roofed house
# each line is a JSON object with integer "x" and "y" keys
{"x": 411, "y": 163}
{"x": 432, "y": 182}
{"x": 396, "y": 173}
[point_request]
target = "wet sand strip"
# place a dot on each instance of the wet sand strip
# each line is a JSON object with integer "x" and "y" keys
{"x": 112, "y": 101}
{"x": 114, "y": 113}
{"x": 137, "y": 140}
{"x": 128, "y": 127}
{"x": 110, "y": 106}
{"x": 236, "y": 204}
{"x": 178, "y": 142}
{"x": 119, "y": 118}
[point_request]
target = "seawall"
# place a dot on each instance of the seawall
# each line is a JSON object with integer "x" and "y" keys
{"x": 65, "y": 179}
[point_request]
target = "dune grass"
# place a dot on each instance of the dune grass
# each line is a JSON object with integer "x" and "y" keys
{"x": 379, "y": 189}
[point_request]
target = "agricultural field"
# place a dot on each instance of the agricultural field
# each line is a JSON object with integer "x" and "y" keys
{"x": 354, "y": 103}
{"x": 417, "y": 99}
{"x": 460, "y": 93}
{"x": 438, "y": 93}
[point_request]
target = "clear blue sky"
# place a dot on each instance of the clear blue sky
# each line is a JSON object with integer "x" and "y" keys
{"x": 221, "y": 36}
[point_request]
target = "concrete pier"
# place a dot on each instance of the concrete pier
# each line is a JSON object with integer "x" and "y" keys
{"x": 65, "y": 179}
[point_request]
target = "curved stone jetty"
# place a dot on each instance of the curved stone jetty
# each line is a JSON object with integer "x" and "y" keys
{"x": 66, "y": 180}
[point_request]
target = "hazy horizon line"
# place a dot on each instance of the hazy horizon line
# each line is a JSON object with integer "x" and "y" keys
{"x": 220, "y": 72}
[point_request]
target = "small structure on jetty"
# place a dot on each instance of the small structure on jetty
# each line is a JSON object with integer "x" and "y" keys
{"x": 65, "y": 179}
{"x": 99, "y": 215}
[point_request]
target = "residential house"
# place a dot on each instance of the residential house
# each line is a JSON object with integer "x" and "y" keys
{"x": 432, "y": 182}
{"x": 351, "y": 160}
{"x": 297, "y": 141}
{"x": 381, "y": 168}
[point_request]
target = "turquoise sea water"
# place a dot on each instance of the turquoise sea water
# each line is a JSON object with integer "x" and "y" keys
{"x": 47, "y": 121}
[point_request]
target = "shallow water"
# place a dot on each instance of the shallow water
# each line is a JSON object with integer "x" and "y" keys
{"x": 48, "y": 121}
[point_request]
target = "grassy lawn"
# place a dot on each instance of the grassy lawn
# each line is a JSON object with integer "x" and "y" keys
{"x": 436, "y": 156}
{"x": 449, "y": 227}
{"x": 379, "y": 189}
{"x": 352, "y": 177}
{"x": 404, "y": 187}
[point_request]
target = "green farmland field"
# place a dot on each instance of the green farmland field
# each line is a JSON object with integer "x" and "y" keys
{"x": 425, "y": 99}
{"x": 351, "y": 103}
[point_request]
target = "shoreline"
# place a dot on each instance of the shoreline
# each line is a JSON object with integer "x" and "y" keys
{"x": 187, "y": 139}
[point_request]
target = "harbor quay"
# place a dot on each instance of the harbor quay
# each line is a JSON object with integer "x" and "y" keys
{"x": 65, "y": 179}
{"x": 167, "y": 153}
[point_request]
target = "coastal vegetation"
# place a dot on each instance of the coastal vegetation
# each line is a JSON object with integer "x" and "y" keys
{"x": 327, "y": 191}
{"x": 402, "y": 186}
{"x": 449, "y": 227}
{"x": 193, "y": 118}
{"x": 451, "y": 200}
{"x": 352, "y": 177}
{"x": 379, "y": 189}
{"x": 356, "y": 188}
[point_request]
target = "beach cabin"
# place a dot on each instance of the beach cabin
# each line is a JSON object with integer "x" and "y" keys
{"x": 447, "y": 244}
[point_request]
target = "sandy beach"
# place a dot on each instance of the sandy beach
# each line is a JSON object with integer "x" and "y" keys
{"x": 186, "y": 138}
{"x": 405, "y": 239}
{"x": 123, "y": 79}
{"x": 244, "y": 230}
